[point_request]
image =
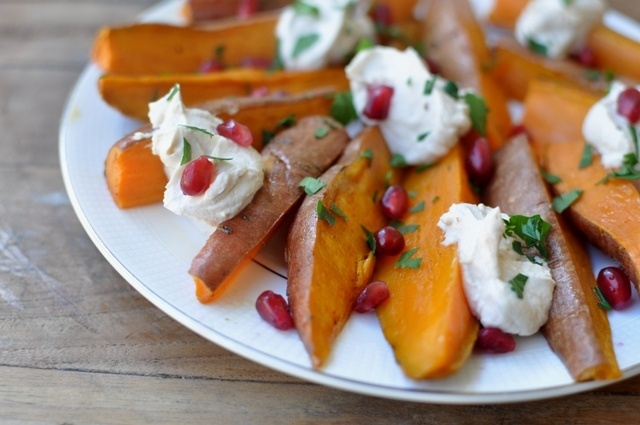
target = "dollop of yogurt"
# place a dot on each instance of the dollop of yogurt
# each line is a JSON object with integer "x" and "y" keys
{"x": 489, "y": 263}
{"x": 559, "y": 27}
{"x": 238, "y": 171}
{"x": 608, "y": 131}
{"x": 315, "y": 33}
{"x": 424, "y": 121}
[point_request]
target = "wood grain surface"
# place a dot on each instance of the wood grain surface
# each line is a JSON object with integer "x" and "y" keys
{"x": 79, "y": 346}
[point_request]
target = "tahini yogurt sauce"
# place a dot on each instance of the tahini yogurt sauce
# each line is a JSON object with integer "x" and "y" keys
{"x": 488, "y": 263}
{"x": 237, "y": 178}
{"x": 424, "y": 122}
{"x": 560, "y": 26}
{"x": 315, "y": 33}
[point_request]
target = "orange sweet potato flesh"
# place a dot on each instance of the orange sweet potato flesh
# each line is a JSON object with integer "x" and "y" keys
{"x": 329, "y": 265}
{"x": 196, "y": 11}
{"x": 131, "y": 94}
{"x": 515, "y": 67}
{"x": 144, "y": 48}
{"x": 505, "y": 12}
{"x": 577, "y": 329}
{"x": 455, "y": 41}
{"x": 607, "y": 214}
{"x": 135, "y": 176}
{"x": 426, "y": 319}
{"x": 292, "y": 155}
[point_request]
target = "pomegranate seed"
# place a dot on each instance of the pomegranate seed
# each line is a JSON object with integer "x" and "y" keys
{"x": 629, "y": 104}
{"x": 585, "y": 57}
{"x": 389, "y": 241}
{"x": 371, "y": 296}
{"x": 381, "y": 15}
{"x": 518, "y": 130}
{"x": 615, "y": 286}
{"x": 256, "y": 62}
{"x": 494, "y": 341}
{"x": 211, "y": 65}
{"x": 197, "y": 176}
{"x": 378, "y": 102}
{"x": 274, "y": 310}
{"x": 236, "y": 132}
{"x": 480, "y": 162}
{"x": 394, "y": 202}
{"x": 247, "y": 8}
{"x": 261, "y": 91}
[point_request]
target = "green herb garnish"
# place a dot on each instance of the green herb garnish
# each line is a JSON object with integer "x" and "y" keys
{"x": 451, "y": 89}
{"x": 517, "y": 284}
{"x": 423, "y": 136}
{"x": 530, "y": 231}
{"x": 370, "y": 239}
{"x": 336, "y": 209}
{"x": 287, "y": 122}
{"x": 406, "y": 262}
{"x": 627, "y": 171}
{"x": 218, "y": 158}
{"x": 201, "y": 130}
{"x": 550, "y": 178}
{"x": 342, "y": 108}
{"x": 321, "y": 132}
{"x": 586, "y": 159}
{"x": 423, "y": 167}
{"x": 267, "y": 136}
{"x": 186, "y": 151}
{"x": 603, "y": 303}
{"x": 564, "y": 201}
{"x": 478, "y": 112}
{"x": 367, "y": 154}
{"x": 174, "y": 90}
{"x": 404, "y": 228}
{"x": 302, "y": 8}
{"x": 417, "y": 208}
{"x": 429, "y": 85}
{"x": 365, "y": 44}
{"x": 537, "y": 47}
{"x": 311, "y": 185}
{"x": 397, "y": 161}
{"x": 303, "y": 43}
{"x": 324, "y": 214}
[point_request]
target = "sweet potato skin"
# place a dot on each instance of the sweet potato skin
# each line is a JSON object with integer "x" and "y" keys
{"x": 427, "y": 320}
{"x": 135, "y": 176}
{"x": 131, "y": 94}
{"x": 455, "y": 42}
{"x": 329, "y": 265}
{"x": 294, "y": 154}
{"x": 577, "y": 329}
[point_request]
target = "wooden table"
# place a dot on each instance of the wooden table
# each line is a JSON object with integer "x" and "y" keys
{"x": 79, "y": 345}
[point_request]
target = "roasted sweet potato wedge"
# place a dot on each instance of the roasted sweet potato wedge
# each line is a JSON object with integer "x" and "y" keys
{"x": 427, "y": 320}
{"x": 608, "y": 214}
{"x": 131, "y": 94}
{"x": 329, "y": 262}
{"x": 294, "y": 154}
{"x": 135, "y": 176}
{"x": 143, "y": 48}
{"x": 454, "y": 40}
{"x": 577, "y": 329}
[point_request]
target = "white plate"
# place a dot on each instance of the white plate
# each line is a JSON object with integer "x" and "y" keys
{"x": 152, "y": 249}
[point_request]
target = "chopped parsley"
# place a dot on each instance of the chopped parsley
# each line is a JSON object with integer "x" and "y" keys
{"x": 186, "y": 151}
{"x": 201, "y": 130}
{"x": 603, "y": 303}
{"x": 311, "y": 185}
{"x": 429, "y": 85}
{"x": 406, "y": 262}
{"x": 303, "y": 43}
{"x": 324, "y": 214}
{"x": 517, "y": 284}
{"x": 417, "y": 208}
{"x": 537, "y": 47}
{"x": 423, "y": 136}
{"x": 397, "y": 161}
{"x": 321, "y": 132}
{"x": 412, "y": 193}
{"x": 530, "y": 231}
{"x": 423, "y": 167}
{"x": 287, "y": 122}
{"x": 564, "y": 201}
{"x": 388, "y": 177}
{"x": 451, "y": 89}
{"x": 267, "y": 136}
{"x": 550, "y": 178}
{"x": 478, "y": 112}
{"x": 370, "y": 239}
{"x": 627, "y": 171}
{"x": 336, "y": 209}
{"x": 365, "y": 44}
{"x": 174, "y": 90}
{"x": 367, "y": 154}
{"x": 404, "y": 228}
{"x": 342, "y": 108}
{"x": 586, "y": 159}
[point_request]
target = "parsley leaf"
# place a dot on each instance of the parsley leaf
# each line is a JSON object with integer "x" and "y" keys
{"x": 423, "y": 167}
{"x": 311, "y": 185}
{"x": 603, "y": 303}
{"x": 186, "y": 151}
{"x": 532, "y": 231}
{"x": 404, "y": 228}
{"x": 587, "y": 156}
{"x": 287, "y": 122}
{"x": 397, "y": 161}
{"x": 406, "y": 262}
{"x": 370, "y": 239}
{"x": 517, "y": 284}
{"x": 324, "y": 214}
{"x": 627, "y": 171}
{"x": 564, "y": 201}
{"x": 365, "y": 44}
{"x": 321, "y": 132}
{"x": 417, "y": 208}
{"x": 367, "y": 154}
{"x": 342, "y": 108}
{"x": 429, "y": 85}
{"x": 303, "y": 43}
{"x": 174, "y": 90}
{"x": 336, "y": 209}
{"x": 550, "y": 178}
{"x": 451, "y": 89}
{"x": 423, "y": 136}
{"x": 478, "y": 112}
{"x": 201, "y": 130}
{"x": 537, "y": 47}
{"x": 267, "y": 136}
